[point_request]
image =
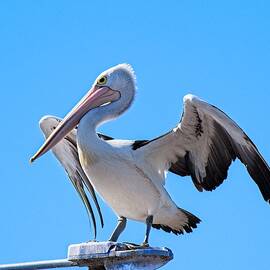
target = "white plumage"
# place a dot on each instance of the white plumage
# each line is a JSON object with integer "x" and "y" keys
{"x": 130, "y": 175}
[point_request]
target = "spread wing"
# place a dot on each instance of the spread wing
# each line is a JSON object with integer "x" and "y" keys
{"x": 203, "y": 145}
{"x": 67, "y": 153}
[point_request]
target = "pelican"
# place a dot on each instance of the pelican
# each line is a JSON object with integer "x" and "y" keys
{"x": 130, "y": 175}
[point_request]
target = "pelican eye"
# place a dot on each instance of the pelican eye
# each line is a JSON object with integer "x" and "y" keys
{"x": 102, "y": 80}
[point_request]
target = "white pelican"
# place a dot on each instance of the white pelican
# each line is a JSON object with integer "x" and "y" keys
{"x": 130, "y": 175}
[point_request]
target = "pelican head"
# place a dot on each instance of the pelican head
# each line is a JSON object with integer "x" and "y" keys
{"x": 112, "y": 93}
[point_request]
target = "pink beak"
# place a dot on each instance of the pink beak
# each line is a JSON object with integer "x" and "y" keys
{"x": 93, "y": 99}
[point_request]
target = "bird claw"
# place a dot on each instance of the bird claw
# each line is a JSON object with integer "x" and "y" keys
{"x": 144, "y": 245}
{"x": 133, "y": 246}
{"x": 92, "y": 241}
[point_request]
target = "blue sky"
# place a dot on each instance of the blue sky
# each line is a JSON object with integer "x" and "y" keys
{"x": 51, "y": 51}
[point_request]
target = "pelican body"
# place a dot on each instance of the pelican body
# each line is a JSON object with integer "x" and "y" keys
{"x": 130, "y": 175}
{"x": 124, "y": 183}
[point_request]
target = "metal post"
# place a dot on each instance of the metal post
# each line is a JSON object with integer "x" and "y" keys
{"x": 39, "y": 265}
{"x": 103, "y": 255}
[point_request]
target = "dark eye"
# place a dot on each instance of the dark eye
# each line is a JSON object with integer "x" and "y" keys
{"x": 102, "y": 80}
{"x": 53, "y": 127}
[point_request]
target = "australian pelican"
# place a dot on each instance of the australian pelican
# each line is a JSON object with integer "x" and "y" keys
{"x": 130, "y": 175}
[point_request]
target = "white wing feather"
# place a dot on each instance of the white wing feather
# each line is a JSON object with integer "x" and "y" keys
{"x": 67, "y": 154}
{"x": 203, "y": 145}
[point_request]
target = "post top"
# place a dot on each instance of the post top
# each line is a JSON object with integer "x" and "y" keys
{"x": 110, "y": 254}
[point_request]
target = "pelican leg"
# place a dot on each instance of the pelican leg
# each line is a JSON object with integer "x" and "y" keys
{"x": 149, "y": 222}
{"x": 121, "y": 225}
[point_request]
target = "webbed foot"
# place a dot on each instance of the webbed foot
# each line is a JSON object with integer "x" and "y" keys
{"x": 133, "y": 246}
{"x": 92, "y": 241}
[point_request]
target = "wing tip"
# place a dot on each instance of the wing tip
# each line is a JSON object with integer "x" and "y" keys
{"x": 190, "y": 98}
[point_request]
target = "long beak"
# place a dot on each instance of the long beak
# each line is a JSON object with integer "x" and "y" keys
{"x": 93, "y": 99}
